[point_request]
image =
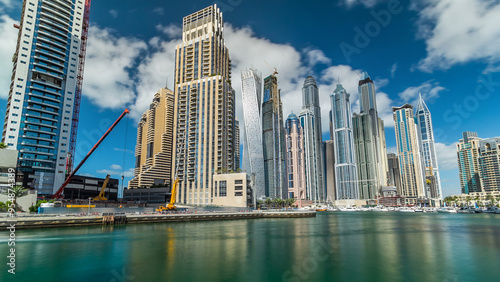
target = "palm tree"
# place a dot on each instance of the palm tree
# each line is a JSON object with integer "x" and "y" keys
{"x": 468, "y": 199}
{"x": 290, "y": 201}
{"x": 17, "y": 191}
{"x": 3, "y": 145}
{"x": 259, "y": 204}
{"x": 276, "y": 202}
{"x": 490, "y": 198}
{"x": 268, "y": 202}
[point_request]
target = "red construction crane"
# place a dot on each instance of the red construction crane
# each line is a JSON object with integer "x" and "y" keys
{"x": 59, "y": 192}
{"x": 78, "y": 91}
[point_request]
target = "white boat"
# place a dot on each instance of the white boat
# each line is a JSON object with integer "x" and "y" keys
{"x": 490, "y": 210}
{"x": 447, "y": 210}
{"x": 466, "y": 210}
{"x": 497, "y": 211}
{"x": 348, "y": 209}
{"x": 380, "y": 209}
{"x": 406, "y": 210}
{"x": 47, "y": 205}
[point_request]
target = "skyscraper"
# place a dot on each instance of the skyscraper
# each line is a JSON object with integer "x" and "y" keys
{"x": 329, "y": 164}
{"x": 369, "y": 140}
{"x": 394, "y": 172}
{"x": 253, "y": 156}
{"x": 468, "y": 162}
{"x": 365, "y": 147}
{"x": 346, "y": 173}
{"x": 410, "y": 165}
{"x": 489, "y": 164}
{"x": 236, "y": 145}
{"x": 295, "y": 166}
{"x": 42, "y": 103}
{"x": 153, "y": 152}
{"x": 204, "y": 107}
{"x": 428, "y": 150}
{"x": 273, "y": 139}
{"x": 310, "y": 119}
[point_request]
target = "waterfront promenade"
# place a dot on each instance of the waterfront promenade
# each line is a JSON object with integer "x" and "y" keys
{"x": 47, "y": 221}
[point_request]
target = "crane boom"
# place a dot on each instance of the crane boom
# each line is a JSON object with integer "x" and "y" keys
{"x": 101, "y": 197}
{"x": 61, "y": 189}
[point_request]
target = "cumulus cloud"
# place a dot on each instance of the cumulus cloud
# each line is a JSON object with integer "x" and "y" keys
{"x": 7, "y": 49}
{"x": 447, "y": 156}
{"x": 115, "y": 167}
{"x": 171, "y": 30}
{"x": 475, "y": 36}
{"x": 107, "y": 82}
{"x": 430, "y": 90}
{"x": 315, "y": 56}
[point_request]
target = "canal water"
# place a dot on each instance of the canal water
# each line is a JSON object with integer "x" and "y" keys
{"x": 342, "y": 246}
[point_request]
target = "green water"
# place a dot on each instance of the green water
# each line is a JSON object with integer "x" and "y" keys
{"x": 359, "y": 246}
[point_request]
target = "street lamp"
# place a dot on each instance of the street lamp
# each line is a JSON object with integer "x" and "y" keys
{"x": 88, "y": 209}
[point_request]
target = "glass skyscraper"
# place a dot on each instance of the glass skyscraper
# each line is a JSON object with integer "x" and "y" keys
{"x": 204, "y": 118}
{"x": 273, "y": 139}
{"x": 468, "y": 162}
{"x": 428, "y": 150}
{"x": 253, "y": 156}
{"x": 310, "y": 119}
{"x": 346, "y": 182}
{"x": 41, "y": 99}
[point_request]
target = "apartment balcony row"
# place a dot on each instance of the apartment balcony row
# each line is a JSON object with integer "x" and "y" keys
{"x": 51, "y": 47}
{"x": 53, "y": 9}
{"x": 47, "y": 33}
{"x": 40, "y": 124}
{"x": 59, "y": 4}
{"x": 38, "y": 138}
{"x": 38, "y": 145}
{"x": 45, "y": 104}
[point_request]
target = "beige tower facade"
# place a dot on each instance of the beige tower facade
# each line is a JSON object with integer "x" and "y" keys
{"x": 468, "y": 162}
{"x": 408, "y": 153}
{"x": 295, "y": 159}
{"x": 204, "y": 118}
{"x": 153, "y": 151}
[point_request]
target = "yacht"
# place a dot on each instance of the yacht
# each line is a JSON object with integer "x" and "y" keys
{"x": 406, "y": 209}
{"x": 466, "y": 210}
{"x": 380, "y": 209}
{"x": 447, "y": 210}
{"x": 348, "y": 209}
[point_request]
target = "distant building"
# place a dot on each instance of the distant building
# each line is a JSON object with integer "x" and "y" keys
{"x": 295, "y": 159}
{"x": 394, "y": 172}
{"x": 273, "y": 136}
{"x": 468, "y": 162}
{"x": 310, "y": 120}
{"x": 204, "y": 107}
{"x": 253, "y": 155}
{"x": 40, "y": 119}
{"x": 489, "y": 164}
{"x": 329, "y": 163}
{"x": 232, "y": 190}
{"x": 157, "y": 195}
{"x": 346, "y": 173}
{"x": 410, "y": 165}
{"x": 153, "y": 152}
{"x": 428, "y": 150}
{"x": 84, "y": 187}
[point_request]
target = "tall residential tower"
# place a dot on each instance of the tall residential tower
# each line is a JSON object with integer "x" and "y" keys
{"x": 346, "y": 173}
{"x": 410, "y": 165}
{"x": 296, "y": 178}
{"x": 253, "y": 156}
{"x": 273, "y": 140}
{"x": 468, "y": 162}
{"x": 204, "y": 118}
{"x": 428, "y": 150}
{"x": 42, "y": 96}
{"x": 310, "y": 120}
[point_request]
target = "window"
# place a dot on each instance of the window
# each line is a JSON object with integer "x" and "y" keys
{"x": 239, "y": 181}
{"x": 238, "y": 194}
{"x": 223, "y": 188}
{"x": 238, "y": 188}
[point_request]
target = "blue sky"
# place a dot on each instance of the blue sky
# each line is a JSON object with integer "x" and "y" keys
{"x": 447, "y": 50}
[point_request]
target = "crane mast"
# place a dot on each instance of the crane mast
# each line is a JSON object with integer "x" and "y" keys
{"x": 79, "y": 84}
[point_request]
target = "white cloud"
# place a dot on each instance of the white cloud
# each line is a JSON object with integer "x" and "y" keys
{"x": 457, "y": 32}
{"x": 430, "y": 90}
{"x": 115, "y": 167}
{"x": 447, "y": 156}
{"x": 114, "y": 13}
{"x": 111, "y": 171}
{"x": 159, "y": 10}
{"x": 384, "y": 107}
{"x": 171, "y": 30}
{"x": 107, "y": 81}
{"x": 6, "y": 3}
{"x": 7, "y": 49}
{"x": 315, "y": 56}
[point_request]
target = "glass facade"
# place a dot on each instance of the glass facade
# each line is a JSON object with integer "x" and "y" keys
{"x": 41, "y": 97}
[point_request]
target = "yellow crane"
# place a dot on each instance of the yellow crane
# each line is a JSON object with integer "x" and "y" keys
{"x": 101, "y": 197}
{"x": 170, "y": 206}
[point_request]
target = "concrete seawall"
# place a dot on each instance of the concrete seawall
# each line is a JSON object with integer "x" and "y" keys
{"x": 70, "y": 221}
